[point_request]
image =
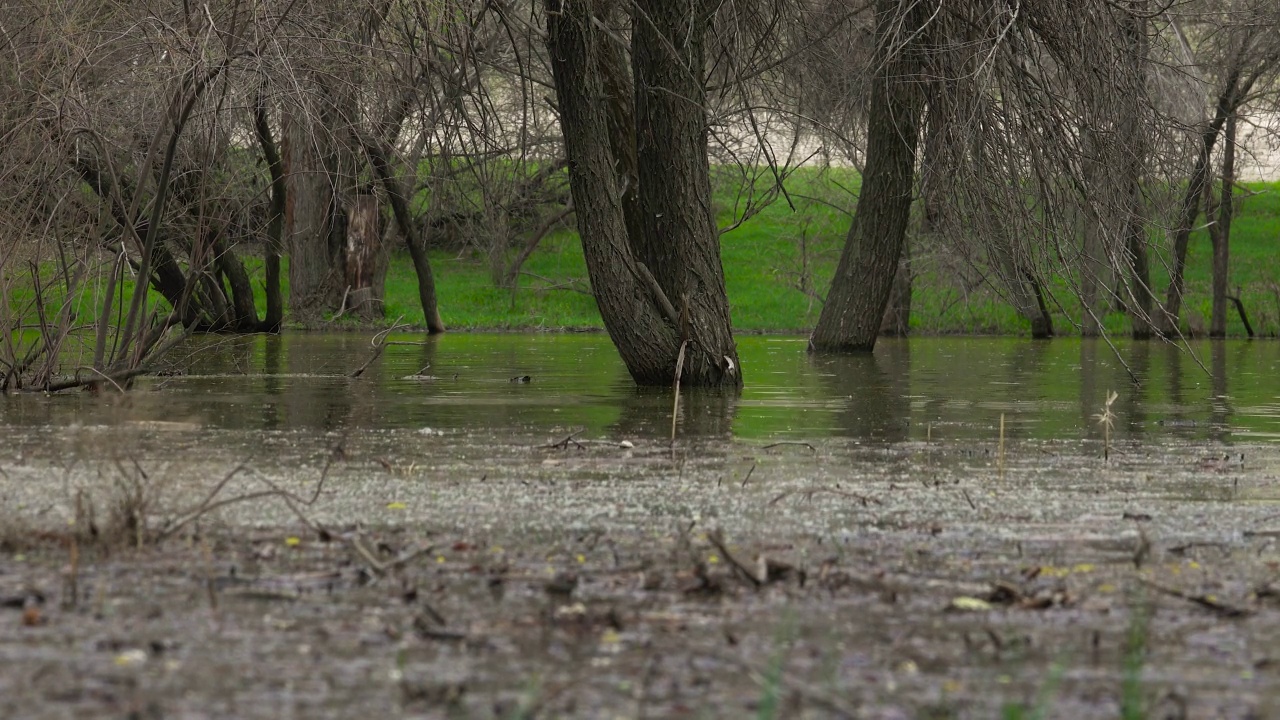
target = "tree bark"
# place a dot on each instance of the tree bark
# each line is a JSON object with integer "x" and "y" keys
{"x": 897, "y": 316}
{"x": 1220, "y": 233}
{"x": 312, "y": 219}
{"x": 636, "y": 311}
{"x": 851, "y": 316}
{"x": 363, "y": 256}
{"x": 680, "y": 242}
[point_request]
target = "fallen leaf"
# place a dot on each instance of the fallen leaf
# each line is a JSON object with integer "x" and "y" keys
{"x": 965, "y": 603}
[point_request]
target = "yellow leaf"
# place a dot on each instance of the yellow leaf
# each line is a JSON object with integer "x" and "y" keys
{"x": 292, "y": 541}
{"x": 396, "y": 506}
{"x": 129, "y": 658}
{"x": 970, "y": 604}
{"x": 713, "y": 559}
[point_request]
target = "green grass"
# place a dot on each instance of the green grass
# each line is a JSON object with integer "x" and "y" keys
{"x": 777, "y": 266}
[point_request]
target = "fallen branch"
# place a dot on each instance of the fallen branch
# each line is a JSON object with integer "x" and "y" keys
{"x": 564, "y": 444}
{"x": 810, "y": 492}
{"x": 380, "y": 343}
{"x": 1205, "y": 601}
{"x": 1244, "y": 317}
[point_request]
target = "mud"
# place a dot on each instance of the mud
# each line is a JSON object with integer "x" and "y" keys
{"x": 535, "y": 573}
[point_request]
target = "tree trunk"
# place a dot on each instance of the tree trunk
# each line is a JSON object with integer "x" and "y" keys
{"x": 1024, "y": 291}
{"x": 680, "y": 244}
{"x": 311, "y": 214}
{"x": 413, "y": 238}
{"x": 244, "y": 314}
{"x": 1168, "y": 321}
{"x": 363, "y": 256}
{"x": 620, "y": 99}
{"x": 275, "y": 217}
{"x": 1094, "y": 230}
{"x": 850, "y": 319}
{"x": 1133, "y": 144}
{"x": 897, "y": 316}
{"x": 1220, "y": 233}
{"x": 640, "y": 318}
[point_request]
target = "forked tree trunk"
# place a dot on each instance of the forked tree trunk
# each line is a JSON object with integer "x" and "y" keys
{"x": 850, "y": 319}
{"x": 1220, "y": 233}
{"x": 641, "y": 319}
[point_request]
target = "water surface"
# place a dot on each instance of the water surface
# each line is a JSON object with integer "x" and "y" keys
{"x": 938, "y": 388}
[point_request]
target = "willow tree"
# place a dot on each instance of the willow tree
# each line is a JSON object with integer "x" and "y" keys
{"x": 658, "y": 279}
{"x": 855, "y": 306}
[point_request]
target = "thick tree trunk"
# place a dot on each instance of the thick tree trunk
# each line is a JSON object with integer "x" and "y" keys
{"x": 680, "y": 244}
{"x": 312, "y": 219}
{"x": 1220, "y": 233}
{"x": 364, "y": 254}
{"x": 897, "y": 316}
{"x": 850, "y": 319}
{"x": 640, "y": 318}
{"x": 620, "y": 99}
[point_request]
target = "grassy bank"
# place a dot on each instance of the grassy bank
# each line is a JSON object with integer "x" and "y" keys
{"x": 779, "y": 263}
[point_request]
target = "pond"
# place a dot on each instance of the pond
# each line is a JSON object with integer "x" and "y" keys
{"x": 927, "y": 388}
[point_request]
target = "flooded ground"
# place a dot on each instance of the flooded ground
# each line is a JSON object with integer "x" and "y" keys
{"x": 848, "y": 538}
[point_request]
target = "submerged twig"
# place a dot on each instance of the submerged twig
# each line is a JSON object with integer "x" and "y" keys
{"x": 380, "y": 343}
{"x": 782, "y": 443}
{"x": 564, "y": 444}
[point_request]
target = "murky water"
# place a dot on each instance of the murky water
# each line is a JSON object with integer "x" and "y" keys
{"x": 890, "y": 532}
{"x": 928, "y": 388}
